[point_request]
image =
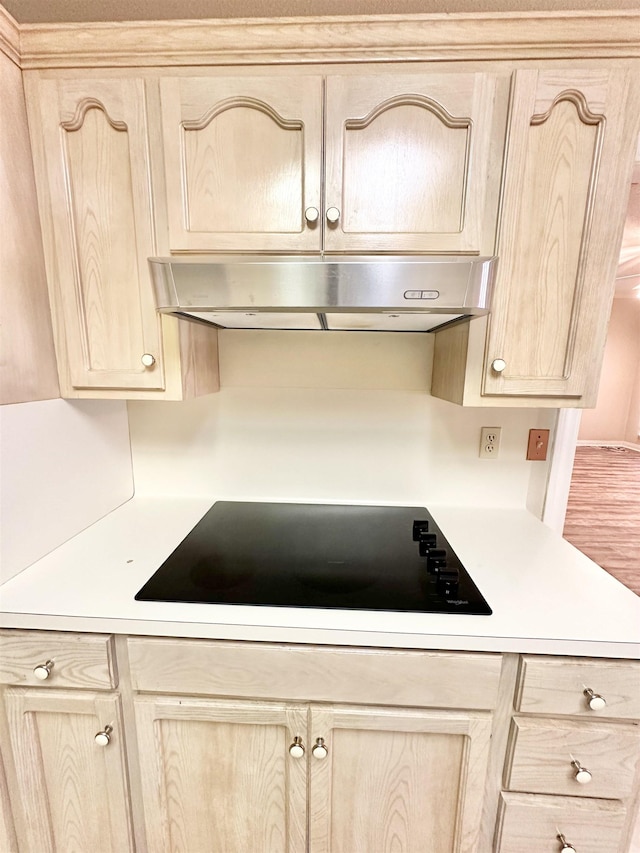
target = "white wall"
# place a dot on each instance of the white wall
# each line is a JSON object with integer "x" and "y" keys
{"x": 616, "y": 416}
{"x": 63, "y": 465}
{"x": 339, "y": 416}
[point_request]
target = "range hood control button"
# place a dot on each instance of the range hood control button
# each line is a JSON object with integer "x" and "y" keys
{"x": 421, "y": 294}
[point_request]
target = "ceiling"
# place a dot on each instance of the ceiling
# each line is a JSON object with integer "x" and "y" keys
{"x": 65, "y": 11}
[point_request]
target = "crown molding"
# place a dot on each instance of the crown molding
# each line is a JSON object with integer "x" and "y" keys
{"x": 332, "y": 39}
{"x": 9, "y": 36}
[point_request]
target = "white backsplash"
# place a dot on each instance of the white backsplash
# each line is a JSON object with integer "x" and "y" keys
{"x": 335, "y": 417}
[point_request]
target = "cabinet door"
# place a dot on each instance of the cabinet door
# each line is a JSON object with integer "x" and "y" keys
{"x": 413, "y": 161}
{"x": 99, "y": 231}
{"x": 397, "y": 780}
{"x": 569, "y": 156}
{"x": 242, "y": 160}
{"x": 74, "y": 792}
{"x": 219, "y": 776}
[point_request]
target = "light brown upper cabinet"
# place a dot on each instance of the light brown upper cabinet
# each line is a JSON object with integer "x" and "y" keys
{"x": 242, "y": 160}
{"x": 567, "y": 175}
{"x": 411, "y": 162}
{"x": 91, "y": 151}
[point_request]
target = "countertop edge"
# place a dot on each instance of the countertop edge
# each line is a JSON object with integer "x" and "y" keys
{"x": 318, "y": 636}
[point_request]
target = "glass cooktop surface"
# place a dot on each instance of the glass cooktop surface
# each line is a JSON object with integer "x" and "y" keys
{"x": 317, "y": 555}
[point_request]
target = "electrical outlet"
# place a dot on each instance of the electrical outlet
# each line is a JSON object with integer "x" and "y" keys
{"x": 538, "y": 445}
{"x": 490, "y": 442}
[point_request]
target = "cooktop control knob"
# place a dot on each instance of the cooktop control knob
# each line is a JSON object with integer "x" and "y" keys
{"x": 419, "y": 527}
{"x": 448, "y": 581}
{"x": 426, "y": 543}
{"x": 436, "y": 560}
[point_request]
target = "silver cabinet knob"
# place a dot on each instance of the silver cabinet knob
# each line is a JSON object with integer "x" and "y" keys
{"x": 319, "y": 749}
{"x": 43, "y": 670}
{"x": 296, "y": 750}
{"x": 582, "y": 775}
{"x": 333, "y": 214}
{"x": 103, "y": 737}
{"x": 148, "y": 360}
{"x": 565, "y": 844}
{"x": 498, "y": 365}
{"x": 595, "y": 700}
{"x": 311, "y": 214}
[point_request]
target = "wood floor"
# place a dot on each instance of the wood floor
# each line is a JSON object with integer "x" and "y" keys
{"x": 603, "y": 514}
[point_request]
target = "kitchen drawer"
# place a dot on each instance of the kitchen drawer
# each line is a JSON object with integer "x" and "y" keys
{"x": 530, "y": 823}
{"x": 78, "y": 660}
{"x": 542, "y": 751}
{"x": 320, "y": 673}
{"x": 549, "y": 685}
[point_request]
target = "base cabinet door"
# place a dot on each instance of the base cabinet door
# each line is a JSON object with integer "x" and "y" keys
{"x": 73, "y": 786}
{"x": 388, "y": 780}
{"x": 221, "y": 775}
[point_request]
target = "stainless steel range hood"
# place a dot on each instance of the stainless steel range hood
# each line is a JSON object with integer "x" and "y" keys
{"x": 360, "y": 293}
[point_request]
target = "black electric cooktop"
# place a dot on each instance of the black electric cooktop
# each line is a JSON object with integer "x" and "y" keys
{"x": 317, "y": 555}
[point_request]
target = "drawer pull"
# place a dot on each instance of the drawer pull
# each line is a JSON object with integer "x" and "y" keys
{"x": 565, "y": 844}
{"x": 582, "y": 775}
{"x": 596, "y": 702}
{"x": 296, "y": 750}
{"x": 320, "y": 749}
{"x": 43, "y": 670}
{"x": 103, "y": 738}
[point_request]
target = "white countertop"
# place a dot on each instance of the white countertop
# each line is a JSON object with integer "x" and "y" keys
{"x": 546, "y": 596}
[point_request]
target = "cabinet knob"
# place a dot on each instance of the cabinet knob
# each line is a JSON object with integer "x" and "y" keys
{"x": 565, "y": 844}
{"x": 333, "y": 214}
{"x": 582, "y": 775}
{"x": 296, "y": 750}
{"x": 103, "y": 737}
{"x": 498, "y": 365}
{"x": 319, "y": 749}
{"x": 148, "y": 360}
{"x": 43, "y": 670}
{"x": 311, "y": 214}
{"x": 596, "y": 701}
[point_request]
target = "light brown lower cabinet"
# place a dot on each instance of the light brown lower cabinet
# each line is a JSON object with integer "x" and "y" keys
{"x": 263, "y": 777}
{"x": 239, "y": 747}
{"x": 71, "y": 770}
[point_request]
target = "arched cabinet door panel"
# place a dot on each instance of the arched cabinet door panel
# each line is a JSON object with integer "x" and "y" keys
{"x": 242, "y": 162}
{"x": 567, "y": 168}
{"x": 413, "y": 161}
{"x": 99, "y": 232}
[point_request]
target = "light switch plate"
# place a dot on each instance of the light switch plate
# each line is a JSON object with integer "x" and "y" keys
{"x": 538, "y": 445}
